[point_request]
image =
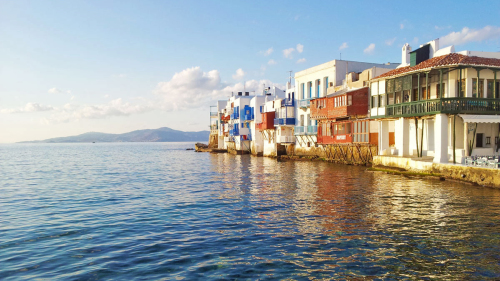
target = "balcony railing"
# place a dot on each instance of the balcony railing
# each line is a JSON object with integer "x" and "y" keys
{"x": 299, "y": 130}
{"x": 284, "y": 122}
{"x": 213, "y": 114}
{"x": 234, "y": 132}
{"x": 444, "y": 105}
{"x": 246, "y": 137}
{"x": 235, "y": 115}
{"x": 287, "y": 102}
{"x": 312, "y": 130}
{"x": 287, "y": 139}
{"x": 247, "y": 117}
{"x": 305, "y": 103}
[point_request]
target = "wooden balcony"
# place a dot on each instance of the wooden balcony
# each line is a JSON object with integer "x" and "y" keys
{"x": 444, "y": 105}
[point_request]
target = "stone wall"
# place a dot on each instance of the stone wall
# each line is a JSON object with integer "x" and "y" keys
{"x": 477, "y": 175}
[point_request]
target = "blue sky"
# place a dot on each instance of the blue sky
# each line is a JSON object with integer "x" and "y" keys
{"x": 69, "y": 67}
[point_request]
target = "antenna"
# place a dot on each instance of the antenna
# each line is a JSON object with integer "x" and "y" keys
{"x": 290, "y": 77}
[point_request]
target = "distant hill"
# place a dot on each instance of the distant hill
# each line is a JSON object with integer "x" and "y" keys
{"x": 150, "y": 135}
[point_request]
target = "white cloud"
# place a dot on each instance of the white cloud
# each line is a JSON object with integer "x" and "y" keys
{"x": 467, "y": 35}
{"x": 106, "y": 96}
{"x": 370, "y": 49}
{"x": 300, "y": 48}
{"x": 287, "y": 53}
{"x": 271, "y": 62}
{"x": 193, "y": 88}
{"x": 267, "y": 52}
{"x": 121, "y": 75}
{"x": 72, "y": 98}
{"x": 401, "y": 26}
{"x": 302, "y": 60}
{"x": 343, "y": 46}
{"x": 54, "y": 91}
{"x": 389, "y": 42}
{"x": 239, "y": 74}
{"x": 29, "y": 107}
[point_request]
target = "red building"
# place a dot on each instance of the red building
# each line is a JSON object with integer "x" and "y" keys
{"x": 343, "y": 118}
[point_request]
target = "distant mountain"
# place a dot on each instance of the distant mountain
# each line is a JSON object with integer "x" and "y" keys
{"x": 151, "y": 135}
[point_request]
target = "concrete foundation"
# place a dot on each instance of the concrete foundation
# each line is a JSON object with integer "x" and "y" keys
{"x": 477, "y": 175}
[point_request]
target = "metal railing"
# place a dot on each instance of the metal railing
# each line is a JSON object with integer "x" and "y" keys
{"x": 284, "y": 121}
{"x": 234, "y": 132}
{"x": 305, "y": 103}
{"x": 287, "y": 102}
{"x": 247, "y": 117}
{"x": 444, "y": 105}
{"x": 299, "y": 130}
{"x": 312, "y": 130}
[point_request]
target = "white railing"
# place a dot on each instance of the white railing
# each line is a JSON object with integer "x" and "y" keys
{"x": 287, "y": 139}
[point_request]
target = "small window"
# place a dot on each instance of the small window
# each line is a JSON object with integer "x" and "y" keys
{"x": 488, "y": 140}
{"x": 479, "y": 140}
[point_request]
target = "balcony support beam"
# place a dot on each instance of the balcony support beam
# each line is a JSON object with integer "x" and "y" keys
{"x": 441, "y": 83}
{"x": 460, "y": 84}
{"x": 427, "y": 85}
{"x": 419, "y": 89}
{"x": 495, "y": 84}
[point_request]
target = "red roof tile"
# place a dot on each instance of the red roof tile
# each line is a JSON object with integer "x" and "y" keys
{"x": 446, "y": 60}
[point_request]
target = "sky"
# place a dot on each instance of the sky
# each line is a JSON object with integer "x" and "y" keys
{"x": 71, "y": 67}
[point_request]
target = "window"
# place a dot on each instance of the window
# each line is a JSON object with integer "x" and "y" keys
{"x": 301, "y": 120}
{"x": 488, "y": 140}
{"x": 349, "y": 100}
{"x": 398, "y": 97}
{"x": 374, "y": 101}
{"x": 381, "y": 100}
{"x": 438, "y": 90}
{"x": 479, "y": 140}
{"x": 415, "y": 95}
{"x": 461, "y": 88}
{"x": 489, "y": 89}
{"x": 390, "y": 98}
{"x": 475, "y": 94}
{"x": 424, "y": 93}
{"x": 361, "y": 131}
{"x": 406, "y": 96}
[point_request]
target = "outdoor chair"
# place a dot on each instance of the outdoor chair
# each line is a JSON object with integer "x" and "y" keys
{"x": 469, "y": 161}
{"x": 481, "y": 162}
{"x": 493, "y": 163}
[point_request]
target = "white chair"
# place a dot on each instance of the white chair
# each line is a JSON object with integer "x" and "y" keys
{"x": 493, "y": 163}
{"x": 469, "y": 161}
{"x": 481, "y": 162}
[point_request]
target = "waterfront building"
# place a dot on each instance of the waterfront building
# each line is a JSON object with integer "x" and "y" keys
{"x": 314, "y": 83}
{"x": 266, "y": 127}
{"x": 239, "y": 134}
{"x": 345, "y": 131}
{"x": 443, "y": 105}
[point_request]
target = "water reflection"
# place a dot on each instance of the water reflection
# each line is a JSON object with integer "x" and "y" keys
{"x": 344, "y": 222}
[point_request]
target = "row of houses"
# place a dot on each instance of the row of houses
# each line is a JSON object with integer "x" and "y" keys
{"x": 437, "y": 103}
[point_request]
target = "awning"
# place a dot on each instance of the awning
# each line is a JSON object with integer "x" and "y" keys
{"x": 480, "y": 118}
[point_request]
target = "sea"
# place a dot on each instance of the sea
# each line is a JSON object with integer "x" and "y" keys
{"x": 156, "y": 211}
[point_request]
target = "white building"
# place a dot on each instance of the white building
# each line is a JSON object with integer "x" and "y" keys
{"x": 313, "y": 83}
{"x": 440, "y": 103}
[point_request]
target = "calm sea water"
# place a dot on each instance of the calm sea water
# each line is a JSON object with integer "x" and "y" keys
{"x": 146, "y": 211}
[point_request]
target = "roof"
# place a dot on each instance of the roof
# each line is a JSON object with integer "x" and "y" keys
{"x": 452, "y": 59}
{"x": 345, "y": 91}
{"x": 480, "y": 118}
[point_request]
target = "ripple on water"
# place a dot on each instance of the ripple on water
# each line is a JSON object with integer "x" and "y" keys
{"x": 157, "y": 211}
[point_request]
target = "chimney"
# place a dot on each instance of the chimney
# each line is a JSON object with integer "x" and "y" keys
{"x": 405, "y": 58}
